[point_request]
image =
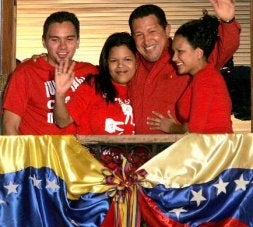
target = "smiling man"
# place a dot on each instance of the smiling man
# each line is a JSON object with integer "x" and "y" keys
{"x": 29, "y": 97}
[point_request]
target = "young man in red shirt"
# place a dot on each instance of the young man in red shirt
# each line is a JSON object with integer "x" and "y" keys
{"x": 29, "y": 98}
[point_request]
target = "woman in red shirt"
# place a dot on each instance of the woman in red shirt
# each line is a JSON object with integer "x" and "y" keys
{"x": 102, "y": 105}
{"x": 205, "y": 106}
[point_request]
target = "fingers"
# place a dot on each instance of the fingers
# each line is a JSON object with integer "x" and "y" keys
{"x": 153, "y": 121}
{"x": 159, "y": 115}
{"x": 65, "y": 67}
{"x": 170, "y": 115}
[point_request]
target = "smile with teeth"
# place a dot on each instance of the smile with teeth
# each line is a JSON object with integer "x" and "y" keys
{"x": 62, "y": 55}
{"x": 149, "y": 47}
{"x": 179, "y": 63}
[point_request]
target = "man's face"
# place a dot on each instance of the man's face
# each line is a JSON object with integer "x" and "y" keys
{"x": 150, "y": 37}
{"x": 61, "y": 42}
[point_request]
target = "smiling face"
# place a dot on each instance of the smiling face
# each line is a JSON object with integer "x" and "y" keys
{"x": 61, "y": 42}
{"x": 122, "y": 64}
{"x": 150, "y": 37}
{"x": 187, "y": 59}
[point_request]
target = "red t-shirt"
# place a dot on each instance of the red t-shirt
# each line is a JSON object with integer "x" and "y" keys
{"x": 93, "y": 115}
{"x": 30, "y": 94}
{"x": 157, "y": 86}
{"x": 206, "y": 104}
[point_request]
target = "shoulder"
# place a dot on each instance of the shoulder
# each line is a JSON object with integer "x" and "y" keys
{"x": 27, "y": 64}
{"x": 208, "y": 75}
{"x": 87, "y": 66}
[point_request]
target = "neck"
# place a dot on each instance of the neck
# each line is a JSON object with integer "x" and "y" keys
{"x": 201, "y": 65}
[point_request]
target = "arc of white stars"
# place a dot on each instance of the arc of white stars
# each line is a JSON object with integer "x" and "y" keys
{"x": 178, "y": 211}
{"x": 36, "y": 182}
{"x": 52, "y": 185}
{"x": 12, "y": 188}
{"x": 221, "y": 186}
{"x": 197, "y": 197}
{"x": 241, "y": 184}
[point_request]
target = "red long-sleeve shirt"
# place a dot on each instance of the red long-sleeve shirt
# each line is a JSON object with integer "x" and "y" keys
{"x": 206, "y": 104}
{"x": 30, "y": 94}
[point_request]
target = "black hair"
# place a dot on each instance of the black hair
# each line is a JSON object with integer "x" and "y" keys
{"x": 60, "y": 17}
{"x": 146, "y": 10}
{"x": 202, "y": 33}
{"x": 103, "y": 81}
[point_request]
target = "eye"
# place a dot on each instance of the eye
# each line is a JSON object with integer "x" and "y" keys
{"x": 70, "y": 38}
{"x": 138, "y": 35}
{"x": 129, "y": 59}
{"x": 112, "y": 60}
{"x": 54, "y": 39}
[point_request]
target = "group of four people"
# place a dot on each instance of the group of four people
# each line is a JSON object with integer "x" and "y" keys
{"x": 145, "y": 83}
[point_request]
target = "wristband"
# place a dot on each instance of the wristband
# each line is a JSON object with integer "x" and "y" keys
{"x": 228, "y": 21}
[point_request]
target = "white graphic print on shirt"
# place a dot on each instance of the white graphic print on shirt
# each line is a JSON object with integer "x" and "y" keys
{"x": 112, "y": 126}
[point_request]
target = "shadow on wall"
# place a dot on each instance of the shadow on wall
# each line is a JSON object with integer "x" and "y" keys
{"x": 239, "y": 85}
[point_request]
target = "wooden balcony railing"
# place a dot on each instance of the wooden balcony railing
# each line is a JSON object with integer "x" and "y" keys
{"x": 137, "y": 149}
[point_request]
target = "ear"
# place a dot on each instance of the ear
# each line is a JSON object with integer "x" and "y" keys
{"x": 200, "y": 53}
{"x": 78, "y": 43}
{"x": 168, "y": 30}
{"x": 44, "y": 43}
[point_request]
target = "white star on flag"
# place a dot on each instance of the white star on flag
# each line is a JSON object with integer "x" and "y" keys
{"x": 12, "y": 188}
{"x": 74, "y": 222}
{"x": 52, "y": 185}
{"x": 197, "y": 197}
{"x": 241, "y": 183}
{"x": 221, "y": 186}
{"x": 36, "y": 182}
{"x": 178, "y": 211}
{"x": 2, "y": 202}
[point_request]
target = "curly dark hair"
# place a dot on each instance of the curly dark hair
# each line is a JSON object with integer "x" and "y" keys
{"x": 202, "y": 33}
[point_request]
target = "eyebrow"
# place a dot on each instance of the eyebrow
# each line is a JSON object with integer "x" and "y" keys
{"x": 55, "y": 36}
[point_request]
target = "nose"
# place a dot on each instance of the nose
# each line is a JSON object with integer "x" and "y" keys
{"x": 120, "y": 63}
{"x": 174, "y": 58}
{"x": 62, "y": 44}
{"x": 146, "y": 38}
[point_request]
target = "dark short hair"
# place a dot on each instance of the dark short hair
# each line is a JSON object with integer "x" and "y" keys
{"x": 146, "y": 10}
{"x": 202, "y": 33}
{"x": 60, "y": 17}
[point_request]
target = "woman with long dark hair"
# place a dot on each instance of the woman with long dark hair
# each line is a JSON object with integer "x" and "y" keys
{"x": 102, "y": 105}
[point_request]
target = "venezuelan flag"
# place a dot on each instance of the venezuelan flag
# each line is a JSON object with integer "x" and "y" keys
{"x": 54, "y": 181}
{"x": 201, "y": 180}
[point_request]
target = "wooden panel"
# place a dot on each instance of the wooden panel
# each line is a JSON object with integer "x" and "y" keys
{"x": 101, "y": 18}
{"x": 251, "y": 38}
{"x": 8, "y": 48}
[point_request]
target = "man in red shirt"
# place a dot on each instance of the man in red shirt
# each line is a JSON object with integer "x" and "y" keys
{"x": 157, "y": 85}
{"x": 29, "y": 98}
